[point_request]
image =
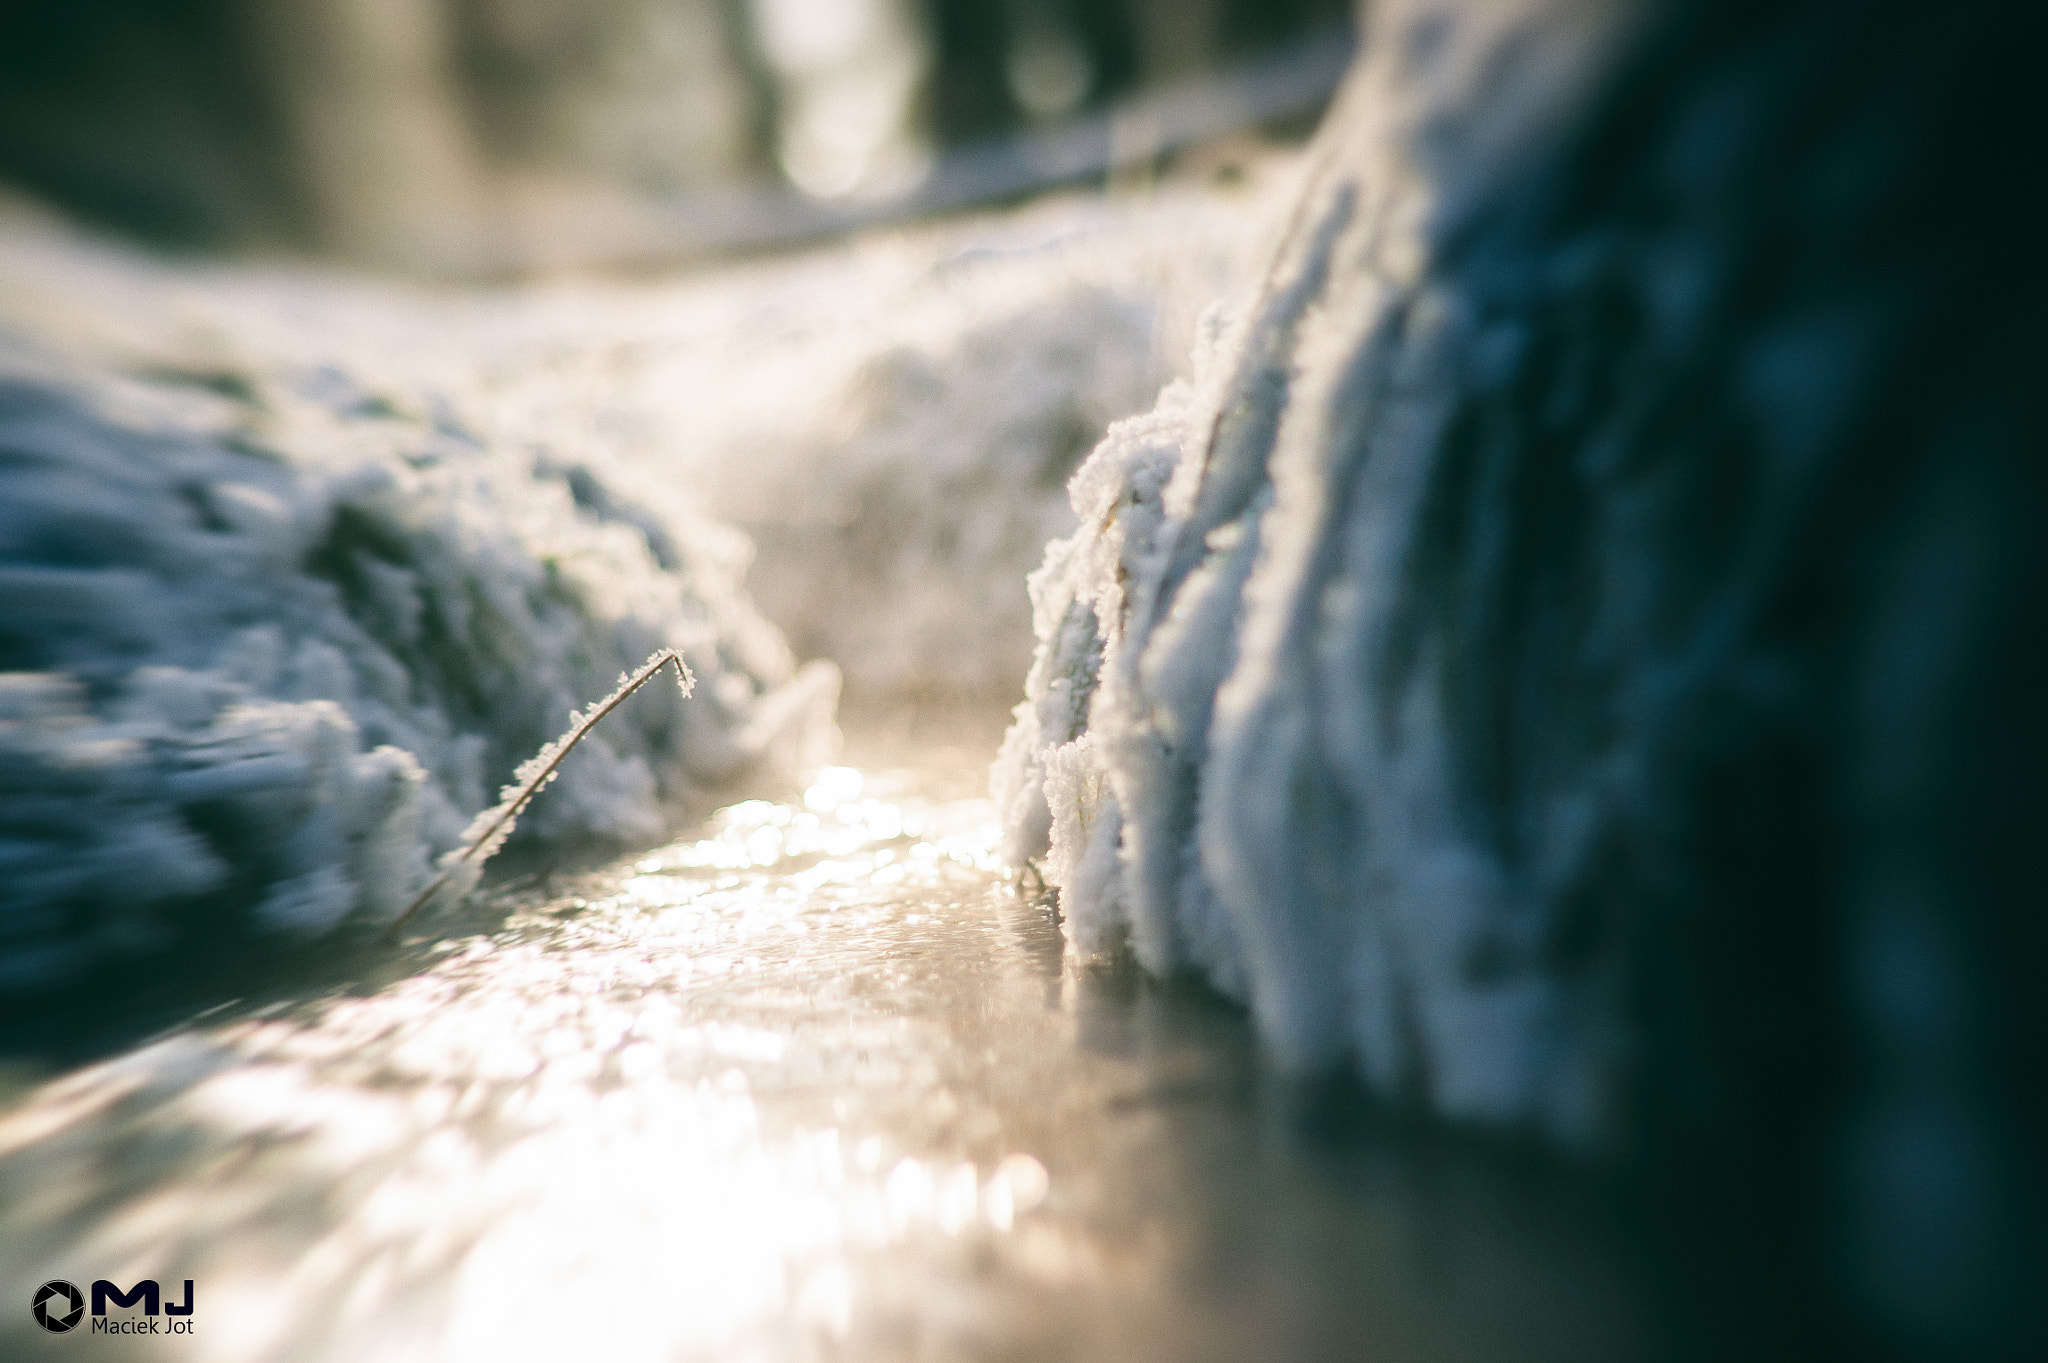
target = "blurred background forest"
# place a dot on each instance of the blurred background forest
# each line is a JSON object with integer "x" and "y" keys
{"x": 459, "y": 137}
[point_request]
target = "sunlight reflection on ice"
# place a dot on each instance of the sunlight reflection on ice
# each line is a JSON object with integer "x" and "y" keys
{"x": 548, "y": 1104}
{"x": 834, "y": 787}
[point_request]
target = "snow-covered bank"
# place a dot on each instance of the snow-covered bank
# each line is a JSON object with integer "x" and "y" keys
{"x": 892, "y": 422}
{"x": 297, "y": 567}
{"x": 271, "y": 638}
{"x": 1572, "y": 653}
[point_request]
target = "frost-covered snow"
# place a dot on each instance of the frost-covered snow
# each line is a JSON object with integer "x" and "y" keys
{"x": 297, "y": 568}
{"x": 891, "y": 422}
{"x": 271, "y": 638}
{"x": 1572, "y": 651}
{"x": 1208, "y": 761}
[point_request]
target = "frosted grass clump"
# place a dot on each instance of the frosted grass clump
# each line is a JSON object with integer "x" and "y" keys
{"x": 272, "y": 637}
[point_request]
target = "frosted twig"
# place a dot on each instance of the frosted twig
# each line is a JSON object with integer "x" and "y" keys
{"x": 488, "y": 831}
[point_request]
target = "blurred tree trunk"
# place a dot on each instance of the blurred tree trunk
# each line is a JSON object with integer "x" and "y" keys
{"x": 981, "y": 51}
{"x": 150, "y": 116}
{"x": 384, "y": 159}
{"x": 967, "y": 96}
{"x": 650, "y": 94}
{"x": 1178, "y": 39}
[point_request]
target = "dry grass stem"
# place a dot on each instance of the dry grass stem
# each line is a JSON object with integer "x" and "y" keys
{"x": 488, "y": 831}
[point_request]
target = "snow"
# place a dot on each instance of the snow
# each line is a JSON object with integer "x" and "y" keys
{"x": 267, "y": 649}
{"x": 300, "y": 567}
{"x": 1458, "y": 669}
{"x": 1549, "y": 659}
{"x": 1563, "y": 648}
{"x": 891, "y": 423}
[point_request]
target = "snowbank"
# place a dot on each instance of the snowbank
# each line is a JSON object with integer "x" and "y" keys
{"x": 891, "y": 422}
{"x": 1570, "y": 651}
{"x": 1234, "y": 754}
{"x": 299, "y": 567}
{"x": 271, "y": 639}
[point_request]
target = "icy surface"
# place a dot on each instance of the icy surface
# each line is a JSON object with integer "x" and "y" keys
{"x": 813, "y": 1082}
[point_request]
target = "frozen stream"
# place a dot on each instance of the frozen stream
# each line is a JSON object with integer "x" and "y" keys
{"x": 819, "y": 1080}
{"x": 815, "y": 1081}
{"x": 1536, "y": 595}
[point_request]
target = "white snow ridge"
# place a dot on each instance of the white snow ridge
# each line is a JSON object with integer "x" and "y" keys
{"x": 1200, "y": 760}
{"x": 1548, "y": 659}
